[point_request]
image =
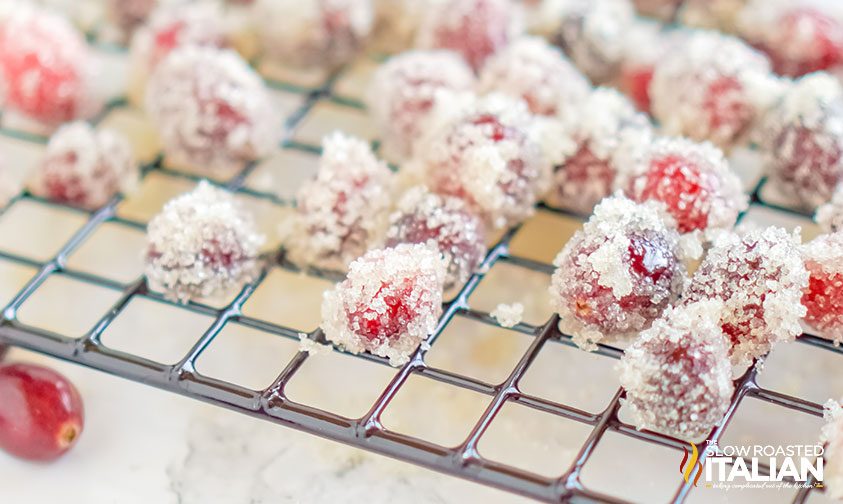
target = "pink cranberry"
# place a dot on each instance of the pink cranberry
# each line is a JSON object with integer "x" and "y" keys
{"x": 41, "y": 412}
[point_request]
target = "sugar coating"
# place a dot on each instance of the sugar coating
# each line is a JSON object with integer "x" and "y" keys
{"x": 692, "y": 179}
{"x": 343, "y": 210}
{"x": 444, "y": 223}
{"x": 798, "y": 37}
{"x": 309, "y": 33}
{"x": 487, "y": 153}
{"x": 476, "y": 29}
{"x": 711, "y": 87}
{"x": 832, "y": 435}
{"x": 538, "y": 73}
{"x": 47, "y": 71}
{"x": 823, "y": 298}
{"x": 593, "y": 34}
{"x": 403, "y": 92}
{"x": 617, "y": 274}
{"x": 677, "y": 374}
{"x": 212, "y": 110}
{"x": 127, "y": 15}
{"x": 171, "y": 26}
{"x": 390, "y": 302}
{"x": 802, "y": 139}
{"x": 602, "y": 133}
{"x": 830, "y": 215}
{"x": 508, "y": 315}
{"x": 759, "y": 276}
{"x": 311, "y": 347}
{"x": 85, "y": 167}
{"x": 202, "y": 244}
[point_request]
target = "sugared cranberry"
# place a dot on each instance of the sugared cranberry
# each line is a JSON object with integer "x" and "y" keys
{"x": 212, "y": 109}
{"x": 759, "y": 277}
{"x": 692, "y": 180}
{"x": 85, "y": 167}
{"x": 710, "y": 87}
{"x": 404, "y": 91}
{"x": 324, "y": 33}
{"x": 487, "y": 157}
{"x": 41, "y": 412}
{"x": 799, "y": 39}
{"x": 677, "y": 374}
{"x": 344, "y": 210}
{"x": 445, "y": 223}
{"x": 593, "y": 33}
{"x": 604, "y": 131}
{"x": 823, "y": 298}
{"x": 618, "y": 274}
{"x": 536, "y": 72}
{"x": 201, "y": 244}
{"x": 46, "y": 68}
{"x": 802, "y": 141}
{"x": 389, "y": 303}
{"x": 476, "y": 29}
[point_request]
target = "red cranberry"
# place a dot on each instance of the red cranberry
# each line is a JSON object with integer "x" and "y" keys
{"x": 823, "y": 298}
{"x": 759, "y": 277}
{"x": 41, "y": 413}
{"x": 635, "y": 83}
{"x": 677, "y": 374}
{"x": 618, "y": 274}
{"x": 694, "y": 182}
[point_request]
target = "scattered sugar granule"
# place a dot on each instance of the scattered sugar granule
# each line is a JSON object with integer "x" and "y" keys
{"x": 823, "y": 298}
{"x": 47, "y": 71}
{"x": 801, "y": 138}
{"x": 308, "y": 33}
{"x": 202, "y": 244}
{"x": 475, "y": 29}
{"x": 693, "y": 181}
{"x": 830, "y": 215}
{"x": 489, "y": 155}
{"x": 343, "y": 210}
{"x": 617, "y": 274}
{"x": 798, "y": 37}
{"x": 212, "y": 110}
{"x": 759, "y": 276}
{"x": 538, "y": 73}
{"x": 85, "y": 167}
{"x": 593, "y": 34}
{"x": 170, "y": 27}
{"x": 445, "y": 223}
{"x": 677, "y": 375}
{"x": 712, "y": 87}
{"x": 403, "y": 92}
{"x": 509, "y": 315}
{"x": 313, "y": 348}
{"x": 832, "y": 436}
{"x": 599, "y": 135}
{"x": 390, "y": 302}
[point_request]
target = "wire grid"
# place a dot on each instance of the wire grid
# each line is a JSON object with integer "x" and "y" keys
{"x": 366, "y": 432}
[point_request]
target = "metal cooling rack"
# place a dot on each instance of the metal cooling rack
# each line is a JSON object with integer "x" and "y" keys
{"x": 366, "y": 432}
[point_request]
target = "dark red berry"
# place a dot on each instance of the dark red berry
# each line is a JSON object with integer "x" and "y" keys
{"x": 41, "y": 412}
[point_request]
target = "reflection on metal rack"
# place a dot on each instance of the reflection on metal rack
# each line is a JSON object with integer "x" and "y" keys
{"x": 366, "y": 432}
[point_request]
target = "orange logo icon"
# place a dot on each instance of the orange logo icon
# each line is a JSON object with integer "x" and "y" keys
{"x": 686, "y": 467}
